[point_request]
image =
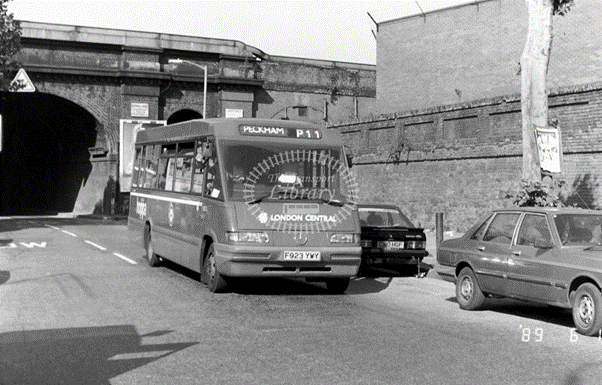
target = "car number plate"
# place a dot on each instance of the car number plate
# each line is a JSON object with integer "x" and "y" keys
{"x": 302, "y": 255}
{"x": 393, "y": 245}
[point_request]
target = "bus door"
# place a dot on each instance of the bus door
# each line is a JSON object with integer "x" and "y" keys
{"x": 183, "y": 209}
{"x": 206, "y": 188}
{"x": 163, "y": 209}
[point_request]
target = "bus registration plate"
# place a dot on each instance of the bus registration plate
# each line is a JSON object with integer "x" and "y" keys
{"x": 302, "y": 255}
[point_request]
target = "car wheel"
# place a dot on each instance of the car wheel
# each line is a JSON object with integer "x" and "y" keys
{"x": 337, "y": 285}
{"x": 151, "y": 257}
{"x": 216, "y": 283}
{"x": 587, "y": 310}
{"x": 468, "y": 292}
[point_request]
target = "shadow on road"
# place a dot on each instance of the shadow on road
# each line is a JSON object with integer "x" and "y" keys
{"x": 395, "y": 271}
{"x": 277, "y": 286}
{"x": 580, "y": 375}
{"x": 534, "y": 311}
{"x": 87, "y": 355}
{"x": 368, "y": 285}
{"x": 5, "y": 241}
{"x": 193, "y": 275}
{"x": 4, "y": 276}
{"x": 257, "y": 286}
{"x": 371, "y": 280}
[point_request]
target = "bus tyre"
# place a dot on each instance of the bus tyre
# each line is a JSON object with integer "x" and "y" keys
{"x": 151, "y": 257}
{"x": 215, "y": 281}
{"x": 337, "y": 285}
{"x": 468, "y": 292}
{"x": 587, "y": 310}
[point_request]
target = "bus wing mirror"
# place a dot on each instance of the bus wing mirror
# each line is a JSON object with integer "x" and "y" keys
{"x": 349, "y": 160}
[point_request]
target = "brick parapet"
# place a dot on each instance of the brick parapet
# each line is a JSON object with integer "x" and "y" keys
{"x": 462, "y": 159}
{"x": 495, "y": 121}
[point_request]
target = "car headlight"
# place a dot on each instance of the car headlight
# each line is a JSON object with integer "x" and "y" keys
{"x": 344, "y": 238}
{"x": 247, "y": 236}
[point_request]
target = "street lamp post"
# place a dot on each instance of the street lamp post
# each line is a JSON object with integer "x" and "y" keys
{"x": 204, "y": 68}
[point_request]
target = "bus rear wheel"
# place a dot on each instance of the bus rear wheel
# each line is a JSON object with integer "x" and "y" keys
{"x": 151, "y": 257}
{"x": 337, "y": 285}
{"x": 215, "y": 281}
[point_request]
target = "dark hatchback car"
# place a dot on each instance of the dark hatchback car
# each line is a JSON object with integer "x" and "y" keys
{"x": 546, "y": 255}
{"x": 388, "y": 237}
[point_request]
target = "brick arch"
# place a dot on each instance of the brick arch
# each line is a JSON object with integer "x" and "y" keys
{"x": 97, "y": 109}
{"x": 183, "y": 114}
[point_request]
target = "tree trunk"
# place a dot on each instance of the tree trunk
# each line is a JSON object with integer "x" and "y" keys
{"x": 534, "y": 68}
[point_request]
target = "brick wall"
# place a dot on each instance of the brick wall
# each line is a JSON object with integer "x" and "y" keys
{"x": 461, "y": 159}
{"x": 348, "y": 89}
{"x": 472, "y": 52}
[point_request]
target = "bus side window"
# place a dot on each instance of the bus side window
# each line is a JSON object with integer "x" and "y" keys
{"x": 135, "y": 172}
{"x": 162, "y": 169}
{"x": 148, "y": 169}
{"x": 183, "y": 174}
{"x": 213, "y": 187}
{"x": 184, "y": 167}
{"x": 166, "y": 167}
{"x": 141, "y": 169}
{"x": 152, "y": 165}
{"x": 169, "y": 171}
{"x": 198, "y": 168}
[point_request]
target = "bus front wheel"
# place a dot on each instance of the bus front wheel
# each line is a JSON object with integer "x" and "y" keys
{"x": 151, "y": 257}
{"x": 215, "y": 281}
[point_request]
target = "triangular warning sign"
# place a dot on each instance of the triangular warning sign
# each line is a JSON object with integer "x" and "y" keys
{"x": 22, "y": 83}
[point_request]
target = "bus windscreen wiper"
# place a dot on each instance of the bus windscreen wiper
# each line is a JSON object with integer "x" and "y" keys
{"x": 333, "y": 202}
{"x": 261, "y": 198}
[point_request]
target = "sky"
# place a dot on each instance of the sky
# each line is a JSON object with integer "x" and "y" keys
{"x": 327, "y": 30}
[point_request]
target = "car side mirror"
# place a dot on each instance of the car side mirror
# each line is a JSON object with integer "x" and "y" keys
{"x": 543, "y": 244}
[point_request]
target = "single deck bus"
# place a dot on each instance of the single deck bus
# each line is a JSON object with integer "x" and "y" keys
{"x": 242, "y": 197}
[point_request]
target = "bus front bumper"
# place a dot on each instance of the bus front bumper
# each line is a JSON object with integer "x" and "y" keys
{"x": 244, "y": 261}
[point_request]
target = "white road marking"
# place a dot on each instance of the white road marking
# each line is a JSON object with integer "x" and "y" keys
{"x": 95, "y": 245}
{"x": 139, "y": 355}
{"x": 125, "y": 258}
{"x": 88, "y": 242}
{"x": 32, "y": 244}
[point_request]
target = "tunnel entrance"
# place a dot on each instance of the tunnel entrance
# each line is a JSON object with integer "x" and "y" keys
{"x": 45, "y": 159}
{"x": 183, "y": 115}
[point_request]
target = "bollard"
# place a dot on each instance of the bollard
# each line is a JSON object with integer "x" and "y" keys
{"x": 438, "y": 229}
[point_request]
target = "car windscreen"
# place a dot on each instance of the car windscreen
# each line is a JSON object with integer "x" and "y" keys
{"x": 579, "y": 229}
{"x": 280, "y": 171}
{"x": 383, "y": 217}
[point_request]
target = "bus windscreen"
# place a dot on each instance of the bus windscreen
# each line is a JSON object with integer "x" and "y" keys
{"x": 277, "y": 171}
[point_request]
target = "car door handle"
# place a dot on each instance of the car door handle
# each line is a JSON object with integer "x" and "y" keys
{"x": 516, "y": 252}
{"x": 481, "y": 248}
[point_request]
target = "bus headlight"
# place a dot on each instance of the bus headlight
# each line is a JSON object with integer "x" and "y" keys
{"x": 247, "y": 236}
{"x": 344, "y": 238}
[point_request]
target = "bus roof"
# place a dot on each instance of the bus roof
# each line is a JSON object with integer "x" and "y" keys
{"x": 228, "y": 128}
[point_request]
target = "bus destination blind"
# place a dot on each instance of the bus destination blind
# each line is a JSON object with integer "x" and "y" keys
{"x": 282, "y": 132}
